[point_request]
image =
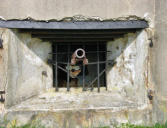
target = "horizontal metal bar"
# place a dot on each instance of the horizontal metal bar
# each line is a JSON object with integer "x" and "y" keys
{"x": 76, "y": 36}
{"x": 78, "y": 32}
{"x": 85, "y": 52}
{"x": 75, "y": 40}
{"x": 100, "y": 62}
{"x": 20, "y": 24}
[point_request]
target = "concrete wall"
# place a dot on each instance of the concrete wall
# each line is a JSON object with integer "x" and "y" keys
{"x": 58, "y": 9}
{"x": 106, "y": 9}
{"x": 27, "y": 59}
{"x": 129, "y": 75}
{"x": 3, "y": 60}
{"x": 160, "y": 58}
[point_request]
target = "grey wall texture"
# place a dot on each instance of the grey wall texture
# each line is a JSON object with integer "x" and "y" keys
{"x": 160, "y": 56}
{"x": 58, "y": 9}
{"x": 27, "y": 60}
{"x": 154, "y": 11}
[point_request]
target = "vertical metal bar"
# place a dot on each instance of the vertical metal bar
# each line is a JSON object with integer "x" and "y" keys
{"x": 68, "y": 69}
{"x": 98, "y": 68}
{"x": 105, "y": 78}
{"x": 56, "y": 73}
{"x": 83, "y": 75}
{"x": 54, "y": 70}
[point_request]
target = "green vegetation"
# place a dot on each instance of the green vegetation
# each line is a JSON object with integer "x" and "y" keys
{"x": 12, "y": 124}
{"x": 127, "y": 125}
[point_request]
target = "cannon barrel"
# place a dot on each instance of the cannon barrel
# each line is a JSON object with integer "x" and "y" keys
{"x": 80, "y": 53}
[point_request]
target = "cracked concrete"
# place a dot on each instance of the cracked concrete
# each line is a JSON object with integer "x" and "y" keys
{"x": 82, "y": 109}
{"x": 94, "y": 9}
{"x": 151, "y": 10}
{"x": 29, "y": 56}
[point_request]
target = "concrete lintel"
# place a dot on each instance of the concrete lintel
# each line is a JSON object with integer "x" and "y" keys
{"x": 76, "y": 25}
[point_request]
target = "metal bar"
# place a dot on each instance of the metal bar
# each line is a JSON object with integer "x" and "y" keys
{"x": 53, "y": 65}
{"x": 83, "y": 75}
{"x": 100, "y": 62}
{"x": 90, "y": 63}
{"x": 56, "y": 73}
{"x": 62, "y": 69}
{"x": 96, "y": 79}
{"x": 2, "y": 92}
{"x": 62, "y": 62}
{"x": 68, "y": 71}
{"x": 75, "y": 25}
{"x": 105, "y": 79}
{"x": 77, "y": 32}
{"x": 98, "y": 68}
{"x": 85, "y": 52}
{"x": 43, "y": 36}
{"x": 76, "y": 40}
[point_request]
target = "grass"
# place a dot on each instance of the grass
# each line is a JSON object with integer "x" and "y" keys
{"x": 127, "y": 125}
{"x": 12, "y": 124}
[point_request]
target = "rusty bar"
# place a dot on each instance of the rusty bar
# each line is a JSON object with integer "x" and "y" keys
{"x": 91, "y": 84}
{"x": 105, "y": 78}
{"x": 68, "y": 71}
{"x": 53, "y": 65}
{"x": 98, "y": 68}
{"x": 83, "y": 75}
{"x": 85, "y": 52}
{"x": 91, "y": 63}
{"x": 56, "y": 73}
{"x": 1, "y": 43}
{"x": 62, "y": 69}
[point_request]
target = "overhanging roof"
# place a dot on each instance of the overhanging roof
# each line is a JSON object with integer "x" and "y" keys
{"x": 75, "y": 31}
{"x": 75, "y": 25}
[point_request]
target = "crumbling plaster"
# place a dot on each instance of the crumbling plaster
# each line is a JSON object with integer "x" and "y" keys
{"x": 60, "y": 10}
{"x": 159, "y": 60}
{"x": 26, "y": 62}
{"x": 107, "y": 10}
{"x": 128, "y": 75}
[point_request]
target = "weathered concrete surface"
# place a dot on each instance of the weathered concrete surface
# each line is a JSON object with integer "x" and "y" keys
{"x": 27, "y": 60}
{"x": 3, "y": 59}
{"x": 3, "y": 68}
{"x": 58, "y": 9}
{"x": 76, "y": 109}
{"x": 128, "y": 76}
{"x": 106, "y": 9}
{"x": 160, "y": 58}
{"x": 83, "y": 118}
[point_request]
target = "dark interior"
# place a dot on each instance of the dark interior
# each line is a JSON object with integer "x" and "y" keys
{"x": 90, "y": 69}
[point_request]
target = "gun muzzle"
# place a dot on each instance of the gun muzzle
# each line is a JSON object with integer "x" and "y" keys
{"x": 80, "y": 53}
